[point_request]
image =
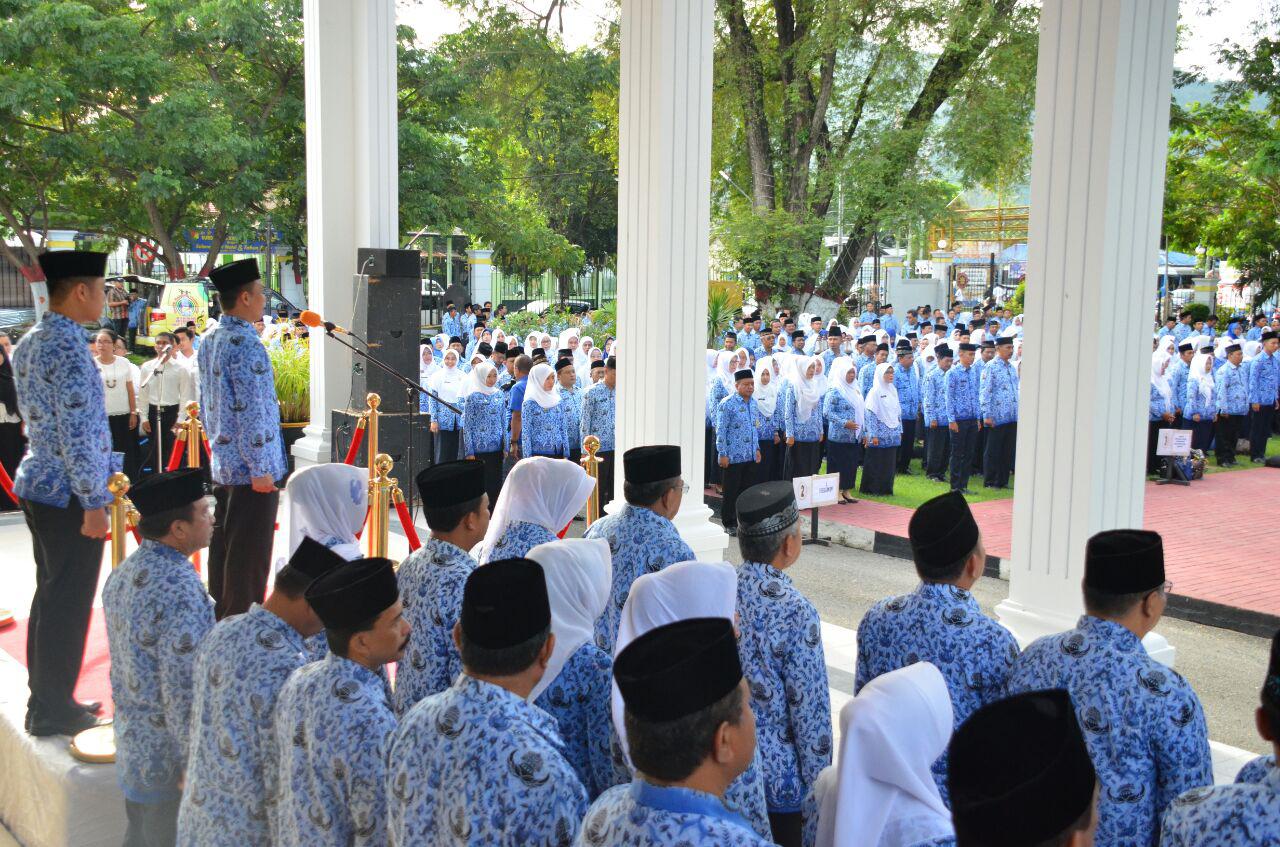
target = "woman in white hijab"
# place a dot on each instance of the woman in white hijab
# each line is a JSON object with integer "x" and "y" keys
{"x": 720, "y": 385}
{"x": 844, "y": 411}
{"x": 582, "y": 361}
{"x": 427, "y": 368}
{"x": 1200, "y": 408}
{"x": 543, "y": 427}
{"x": 575, "y": 688}
{"x": 484, "y": 425}
{"x": 328, "y": 504}
{"x": 881, "y": 791}
{"x": 1160, "y": 411}
{"x": 770, "y": 423}
{"x": 446, "y": 425}
{"x": 539, "y": 498}
{"x": 883, "y": 433}
{"x": 802, "y": 416}
{"x": 680, "y": 592}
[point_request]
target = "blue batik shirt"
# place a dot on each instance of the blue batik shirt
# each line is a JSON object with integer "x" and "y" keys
{"x": 238, "y": 404}
{"x": 231, "y": 774}
{"x": 716, "y": 392}
{"x": 451, "y": 326}
{"x": 767, "y": 426}
{"x": 736, "y": 433}
{"x": 578, "y": 698}
{"x": 64, "y": 407}
{"x": 520, "y": 538}
{"x": 875, "y": 428}
{"x": 783, "y": 661}
{"x": 476, "y": 764}
{"x": 135, "y": 312}
{"x": 543, "y": 432}
{"x": 1240, "y": 815}
{"x": 907, "y": 381}
{"x": 157, "y": 613}
{"x": 1143, "y": 724}
{"x": 571, "y": 403}
{"x": 998, "y": 394}
{"x": 1181, "y": 332}
{"x": 889, "y": 323}
{"x": 1254, "y": 334}
{"x": 333, "y": 726}
{"x": 1177, "y": 374}
{"x": 1256, "y": 770}
{"x": 934, "y": 400}
{"x": 431, "y": 583}
{"x": 801, "y": 430}
{"x": 641, "y": 541}
{"x": 1231, "y": 390}
{"x": 828, "y": 356}
{"x": 866, "y": 375}
{"x": 838, "y": 411}
{"x": 943, "y": 625}
{"x": 1264, "y": 380}
{"x": 645, "y": 815}
{"x": 597, "y": 415}
{"x": 484, "y": 423}
{"x": 447, "y": 419}
{"x": 1159, "y": 406}
{"x": 962, "y": 394}
{"x": 1195, "y": 404}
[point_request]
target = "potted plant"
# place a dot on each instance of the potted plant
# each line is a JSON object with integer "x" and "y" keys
{"x": 291, "y": 363}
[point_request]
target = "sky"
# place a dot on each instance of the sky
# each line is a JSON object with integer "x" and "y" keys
{"x": 1206, "y": 24}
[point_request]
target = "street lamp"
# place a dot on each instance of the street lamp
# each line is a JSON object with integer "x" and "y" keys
{"x": 942, "y": 244}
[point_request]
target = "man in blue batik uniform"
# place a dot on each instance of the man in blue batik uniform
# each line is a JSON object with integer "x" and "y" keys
{"x": 685, "y": 675}
{"x": 61, "y": 485}
{"x": 1264, "y": 385}
{"x": 937, "y": 437}
{"x": 1231, "y": 390}
{"x": 1178, "y": 372}
{"x": 906, "y": 379}
{"x": 456, "y": 508}
{"x": 451, "y": 323}
{"x": 1243, "y": 814}
{"x": 641, "y": 536}
{"x": 998, "y": 401}
{"x": 737, "y": 444}
{"x": 940, "y": 622}
{"x": 242, "y": 419}
{"x": 239, "y": 671}
{"x": 1144, "y": 726}
{"x": 478, "y": 763}
{"x": 962, "y": 415}
{"x": 333, "y": 721}
{"x": 599, "y": 404}
{"x": 157, "y": 614}
{"x": 782, "y": 656}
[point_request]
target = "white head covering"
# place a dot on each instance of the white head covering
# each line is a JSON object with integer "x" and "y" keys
{"x": 539, "y": 490}
{"x": 579, "y": 574}
{"x": 724, "y": 369}
{"x": 882, "y": 398}
{"x": 1196, "y": 373}
{"x": 534, "y": 390}
{"x": 441, "y": 342}
{"x": 476, "y": 380}
{"x": 426, "y": 370}
{"x": 678, "y": 592}
{"x": 1167, "y": 344}
{"x": 1251, "y": 349}
{"x": 448, "y": 381}
{"x": 1159, "y": 361}
{"x": 808, "y": 389}
{"x": 840, "y": 369}
{"x": 328, "y": 503}
{"x": 884, "y": 794}
{"x": 766, "y": 394}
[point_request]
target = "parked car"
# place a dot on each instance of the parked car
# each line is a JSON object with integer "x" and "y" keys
{"x": 576, "y": 307}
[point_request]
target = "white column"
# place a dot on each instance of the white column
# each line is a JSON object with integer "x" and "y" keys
{"x": 349, "y": 50}
{"x": 481, "y": 274}
{"x": 664, "y": 218}
{"x": 1097, "y": 178}
{"x": 940, "y": 262}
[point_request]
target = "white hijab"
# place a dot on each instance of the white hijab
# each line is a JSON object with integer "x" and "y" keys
{"x": 1251, "y": 349}
{"x": 724, "y": 369}
{"x": 881, "y": 791}
{"x": 426, "y": 369}
{"x": 1159, "y": 378}
{"x": 476, "y": 380}
{"x": 1198, "y": 375}
{"x": 328, "y": 503}
{"x": 808, "y": 389}
{"x": 678, "y": 592}
{"x": 840, "y": 369}
{"x": 534, "y": 390}
{"x": 766, "y": 394}
{"x": 582, "y": 360}
{"x": 539, "y": 490}
{"x": 579, "y": 574}
{"x": 447, "y": 382}
{"x": 882, "y": 398}
{"x": 1167, "y": 344}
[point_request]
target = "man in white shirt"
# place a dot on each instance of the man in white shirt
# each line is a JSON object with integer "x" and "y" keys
{"x": 186, "y": 352}
{"x": 165, "y": 389}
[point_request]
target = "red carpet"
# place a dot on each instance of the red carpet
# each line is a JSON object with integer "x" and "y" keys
{"x": 95, "y": 673}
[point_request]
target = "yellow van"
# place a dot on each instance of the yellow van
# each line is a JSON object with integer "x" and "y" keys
{"x": 170, "y": 305}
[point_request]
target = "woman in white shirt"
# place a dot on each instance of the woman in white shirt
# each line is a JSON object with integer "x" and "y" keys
{"x": 122, "y": 399}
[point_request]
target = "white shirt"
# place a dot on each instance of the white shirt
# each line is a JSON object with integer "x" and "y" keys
{"x": 171, "y": 385}
{"x": 115, "y": 379}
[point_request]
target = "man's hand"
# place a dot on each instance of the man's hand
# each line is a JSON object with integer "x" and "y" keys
{"x": 146, "y": 427}
{"x": 723, "y": 461}
{"x": 777, "y": 439}
{"x": 933, "y": 424}
{"x": 757, "y": 457}
{"x": 875, "y": 442}
{"x": 263, "y": 484}
{"x": 435, "y": 427}
{"x": 953, "y": 426}
{"x": 991, "y": 422}
{"x": 1256, "y": 407}
{"x": 790, "y": 441}
{"x": 94, "y": 524}
{"x": 1195, "y": 418}
{"x": 1167, "y": 418}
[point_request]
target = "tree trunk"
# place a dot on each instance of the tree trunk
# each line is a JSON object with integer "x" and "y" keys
{"x": 754, "y": 118}
{"x": 215, "y": 245}
{"x": 27, "y": 258}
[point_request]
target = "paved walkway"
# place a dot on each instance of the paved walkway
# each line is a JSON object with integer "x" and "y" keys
{"x": 1217, "y": 534}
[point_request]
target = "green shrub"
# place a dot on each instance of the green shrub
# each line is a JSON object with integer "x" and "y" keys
{"x": 1199, "y": 311}
{"x": 291, "y": 363}
{"x": 720, "y": 311}
{"x": 1017, "y": 301}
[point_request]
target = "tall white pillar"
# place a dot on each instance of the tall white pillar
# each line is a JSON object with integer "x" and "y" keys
{"x": 664, "y": 219}
{"x": 349, "y": 51}
{"x": 1097, "y": 179}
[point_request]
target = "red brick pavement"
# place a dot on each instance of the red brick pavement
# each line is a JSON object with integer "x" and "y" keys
{"x": 1215, "y": 534}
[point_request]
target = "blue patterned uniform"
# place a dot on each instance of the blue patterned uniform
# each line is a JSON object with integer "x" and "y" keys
{"x": 578, "y": 699}
{"x": 907, "y": 381}
{"x": 520, "y": 538}
{"x": 598, "y": 403}
{"x": 1231, "y": 390}
{"x": 157, "y": 614}
{"x": 64, "y": 406}
{"x": 1264, "y": 380}
{"x": 1181, "y": 332}
{"x": 767, "y": 426}
{"x": 806, "y": 430}
{"x": 240, "y": 668}
{"x": 888, "y": 437}
{"x": 935, "y": 397}
{"x": 1177, "y": 374}
{"x": 1241, "y": 815}
{"x": 838, "y": 412}
{"x": 716, "y": 392}
{"x": 962, "y": 393}
{"x": 783, "y": 661}
{"x": 431, "y": 583}
{"x": 998, "y": 393}
{"x": 467, "y": 323}
{"x": 866, "y": 375}
{"x": 571, "y": 402}
{"x": 448, "y": 419}
{"x": 736, "y": 433}
{"x": 451, "y": 326}
{"x": 484, "y": 423}
{"x": 1158, "y": 406}
{"x": 1257, "y": 770}
{"x": 943, "y": 625}
{"x": 475, "y": 764}
{"x": 238, "y": 404}
{"x": 543, "y": 432}
{"x": 1144, "y": 726}
{"x": 828, "y": 356}
{"x": 332, "y": 727}
{"x": 641, "y": 541}
{"x": 1194, "y": 404}
{"x": 646, "y": 815}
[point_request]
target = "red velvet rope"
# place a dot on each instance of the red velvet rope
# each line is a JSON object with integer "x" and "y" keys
{"x": 406, "y": 523}
{"x": 137, "y": 536}
{"x": 175, "y": 455}
{"x": 7, "y": 485}
{"x": 354, "y": 449}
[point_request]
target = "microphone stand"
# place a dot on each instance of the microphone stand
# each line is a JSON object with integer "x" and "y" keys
{"x": 408, "y": 383}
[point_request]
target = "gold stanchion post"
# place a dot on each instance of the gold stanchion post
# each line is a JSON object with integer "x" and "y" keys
{"x": 371, "y": 433}
{"x": 118, "y": 485}
{"x": 193, "y": 435}
{"x": 380, "y": 505}
{"x": 590, "y": 446}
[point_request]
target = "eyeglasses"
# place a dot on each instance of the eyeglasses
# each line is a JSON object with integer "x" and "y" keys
{"x": 684, "y": 488}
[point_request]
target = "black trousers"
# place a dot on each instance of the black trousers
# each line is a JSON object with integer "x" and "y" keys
{"x": 787, "y": 828}
{"x": 907, "y": 450}
{"x": 963, "y": 444}
{"x": 240, "y": 550}
{"x": 12, "y": 445}
{"x": 492, "y": 475}
{"x": 1201, "y": 434}
{"x": 606, "y": 478}
{"x": 738, "y": 477}
{"x": 979, "y": 450}
{"x": 67, "y": 565}
{"x": 1260, "y": 431}
{"x": 448, "y": 445}
{"x": 124, "y": 439}
{"x": 710, "y": 467}
{"x": 770, "y": 467}
{"x": 133, "y": 338}
{"x": 1153, "y": 439}
{"x": 160, "y": 441}
{"x": 937, "y": 451}
{"x": 997, "y": 464}
{"x": 151, "y": 824}
{"x": 1226, "y": 431}
{"x": 802, "y": 459}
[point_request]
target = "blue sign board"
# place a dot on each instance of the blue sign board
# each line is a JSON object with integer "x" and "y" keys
{"x": 200, "y": 240}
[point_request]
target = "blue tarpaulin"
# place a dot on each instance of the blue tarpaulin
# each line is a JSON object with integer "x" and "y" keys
{"x": 1018, "y": 253}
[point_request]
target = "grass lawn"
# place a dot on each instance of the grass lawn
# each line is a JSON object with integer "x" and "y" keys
{"x": 1242, "y": 460}
{"x": 911, "y": 491}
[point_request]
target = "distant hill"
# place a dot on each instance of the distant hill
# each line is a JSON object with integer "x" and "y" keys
{"x": 1203, "y": 92}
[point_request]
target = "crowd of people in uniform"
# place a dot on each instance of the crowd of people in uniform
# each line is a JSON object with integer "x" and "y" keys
{"x": 506, "y": 685}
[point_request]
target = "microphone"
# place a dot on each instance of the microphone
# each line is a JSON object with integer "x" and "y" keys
{"x": 313, "y": 319}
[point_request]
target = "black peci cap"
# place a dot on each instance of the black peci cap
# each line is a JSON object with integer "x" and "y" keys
{"x": 1124, "y": 561}
{"x": 745, "y": 373}
{"x": 942, "y": 531}
{"x": 231, "y": 276}
{"x": 678, "y": 669}
{"x": 500, "y": 347}
{"x": 450, "y": 483}
{"x": 766, "y": 508}
{"x": 312, "y": 560}
{"x": 652, "y": 463}
{"x": 563, "y": 363}
{"x": 504, "y": 603}
{"x": 967, "y": 346}
{"x": 66, "y": 264}
{"x": 942, "y": 351}
{"x": 354, "y": 592}
{"x": 163, "y": 492}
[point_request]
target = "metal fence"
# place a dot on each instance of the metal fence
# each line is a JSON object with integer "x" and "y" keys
{"x": 15, "y": 291}
{"x": 596, "y": 287}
